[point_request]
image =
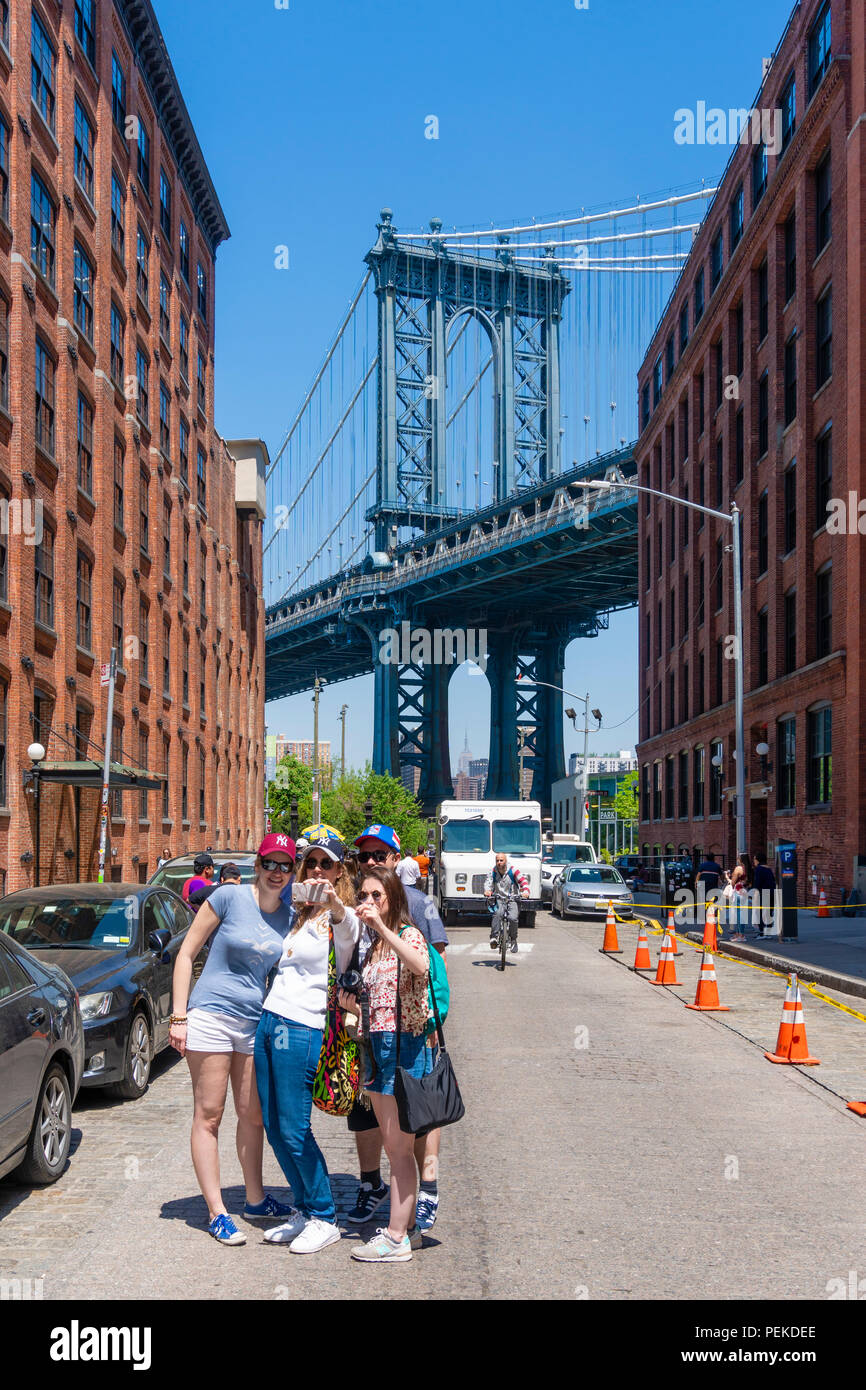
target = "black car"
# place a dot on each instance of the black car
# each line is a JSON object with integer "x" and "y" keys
{"x": 117, "y": 942}
{"x": 41, "y": 1061}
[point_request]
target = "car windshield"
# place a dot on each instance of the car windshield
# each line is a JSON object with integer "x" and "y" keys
{"x": 516, "y": 836}
{"x": 74, "y": 923}
{"x": 569, "y": 854}
{"x": 466, "y": 837}
{"x": 593, "y": 873}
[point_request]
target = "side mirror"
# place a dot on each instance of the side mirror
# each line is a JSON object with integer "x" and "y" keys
{"x": 158, "y": 941}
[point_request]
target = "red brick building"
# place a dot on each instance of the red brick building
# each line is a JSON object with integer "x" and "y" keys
{"x": 753, "y": 390}
{"x": 150, "y": 534}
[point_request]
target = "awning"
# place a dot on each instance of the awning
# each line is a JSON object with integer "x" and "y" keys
{"x": 87, "y": 773}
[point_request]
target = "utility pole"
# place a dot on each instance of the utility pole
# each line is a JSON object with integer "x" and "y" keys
{"x": 317, "y": 785}
{"x": 106, "y": 771}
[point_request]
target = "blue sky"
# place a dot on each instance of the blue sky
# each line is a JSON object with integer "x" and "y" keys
{"x": 312, "y": 118}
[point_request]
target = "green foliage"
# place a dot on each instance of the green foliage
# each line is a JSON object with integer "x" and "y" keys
{"x": 626, "y": 799}
{"x": 605, "y": 856}
{"x": 343, "y": 803}
{"x": 293, "y": 779}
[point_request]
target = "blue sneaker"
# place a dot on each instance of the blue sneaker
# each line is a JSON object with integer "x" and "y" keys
{"x": 425, "y": 1210}
{"x": 223, "y": 1229}
{"x": 269, "y": 1209}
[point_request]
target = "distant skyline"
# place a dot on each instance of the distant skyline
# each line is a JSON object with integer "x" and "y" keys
{"x": 312, "y": 118}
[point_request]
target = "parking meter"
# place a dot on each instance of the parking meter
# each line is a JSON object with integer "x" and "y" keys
{"x": 786, "y": 879}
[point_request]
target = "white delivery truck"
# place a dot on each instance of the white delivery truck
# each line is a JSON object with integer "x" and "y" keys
{"x": 469, "y": 835}
{"x": 558, "y": 852}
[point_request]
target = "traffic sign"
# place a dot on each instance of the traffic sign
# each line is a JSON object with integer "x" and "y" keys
{"x": 608, "y": 816}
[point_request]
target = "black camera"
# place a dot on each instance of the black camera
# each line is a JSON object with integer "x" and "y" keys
{"x": 351, "y": 982}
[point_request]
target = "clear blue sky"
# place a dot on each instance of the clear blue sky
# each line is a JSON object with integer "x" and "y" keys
{"x": 311, "y": 119}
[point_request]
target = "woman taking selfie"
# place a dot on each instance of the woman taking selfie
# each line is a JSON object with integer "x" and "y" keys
{"x": 384, "y": 911}
{"x": 216, "y": 1030}
{"x": 289, "y": 1038}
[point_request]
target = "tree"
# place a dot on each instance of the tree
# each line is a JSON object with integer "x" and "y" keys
{"x": 293, "y": 780}
{"x": 625, "y": 803}
{"x": 343, "y": 802}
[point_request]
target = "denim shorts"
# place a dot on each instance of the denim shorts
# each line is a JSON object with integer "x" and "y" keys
{"x": 415, "y": 1057}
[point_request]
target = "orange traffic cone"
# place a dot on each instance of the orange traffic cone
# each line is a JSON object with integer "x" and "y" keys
{"x": 667, "y": 971}
{"x": 707, "y": 996}
{"x": 672, "y": 932}
{"x": 822, "y": 904}
{"x": 642, "y": 956}
{"x": 710, "y": 942}
{"x": 858, "y": 1106}
{"x": 611, "y": 946}
{"x": 791, "y": 1045}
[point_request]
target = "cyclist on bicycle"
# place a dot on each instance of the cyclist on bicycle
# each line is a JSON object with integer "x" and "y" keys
{"x": 504, "y": 886}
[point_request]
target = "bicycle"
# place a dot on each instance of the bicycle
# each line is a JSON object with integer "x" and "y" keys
{"x": 499, "y": 926}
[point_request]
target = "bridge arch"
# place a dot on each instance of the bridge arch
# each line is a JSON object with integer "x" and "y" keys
{"x": 473, "y": 409}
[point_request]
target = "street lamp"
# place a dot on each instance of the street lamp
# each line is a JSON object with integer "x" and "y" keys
{"x": 732, "y": 519}
{"x": 36, "y": 754}
{"x": 317, "y": 793}
{"x": 342, "y": 717}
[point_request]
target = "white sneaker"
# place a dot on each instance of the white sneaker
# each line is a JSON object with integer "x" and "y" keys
{"x": 281, "y": 1235}
{"x": 315, "y": 1236}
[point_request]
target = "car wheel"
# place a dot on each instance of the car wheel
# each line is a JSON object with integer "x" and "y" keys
{"x": 51, "y": 1135}
{"x": 139, "y": 1055}
{"x": 554, "y": 909}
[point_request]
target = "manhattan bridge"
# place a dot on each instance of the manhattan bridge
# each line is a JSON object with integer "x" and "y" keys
{"x": 430, "y": 482}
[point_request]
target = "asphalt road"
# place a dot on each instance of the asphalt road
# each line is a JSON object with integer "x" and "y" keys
{"x": 615, "y": 1146}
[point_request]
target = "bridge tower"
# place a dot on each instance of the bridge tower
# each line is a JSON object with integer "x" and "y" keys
{"x": 421, "y": 291}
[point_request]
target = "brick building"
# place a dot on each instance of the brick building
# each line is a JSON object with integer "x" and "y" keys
{"x": 753, "y": 390}
{"x": 150, "y": 531}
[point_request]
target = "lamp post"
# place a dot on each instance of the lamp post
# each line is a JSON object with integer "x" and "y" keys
{"x": 36, "y": 753}
{"x": 343, "y": 712}
{"x": 731, "y": 519}
{"x": 317, "y": 786}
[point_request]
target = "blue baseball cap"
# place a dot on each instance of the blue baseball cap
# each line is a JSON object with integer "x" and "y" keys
{"x": 384, "y": 833}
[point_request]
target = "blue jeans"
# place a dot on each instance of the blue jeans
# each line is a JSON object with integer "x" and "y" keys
{"x": 287, "y": 1055}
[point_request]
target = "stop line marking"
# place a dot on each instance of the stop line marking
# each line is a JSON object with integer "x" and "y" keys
{"x": 481, "y": 948}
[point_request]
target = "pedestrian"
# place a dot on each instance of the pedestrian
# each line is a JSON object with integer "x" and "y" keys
{"x": 396, "y": 964}
{"x": 738, "y": 882}
{"x": 164, "y": 857}
{"x": 290, "y": 1034}
{"x": 409, "y": 871}
{"x": 215, "y": 1026}
{"x": 229, "y": 873}
{"x": 202, "y": 875}
{"x": 764, "y": 881}
{"x": 379, "y": 846}
{"x": 423, "y": 861}
{"x": 709, "y": 872}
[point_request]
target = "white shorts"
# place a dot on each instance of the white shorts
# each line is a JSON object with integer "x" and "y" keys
{"x": 207, "y": 1031}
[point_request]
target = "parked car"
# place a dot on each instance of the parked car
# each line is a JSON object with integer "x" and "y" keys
{"x": 41, "y": 1062}
{"x": 117, "y": 942}
{"x": 175, "y": 872}
{"x": 557, "y": 853}
{"x": 586, "y": 889}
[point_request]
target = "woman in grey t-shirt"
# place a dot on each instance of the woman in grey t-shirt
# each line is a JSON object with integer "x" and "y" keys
{"x": 215, "y": 1026}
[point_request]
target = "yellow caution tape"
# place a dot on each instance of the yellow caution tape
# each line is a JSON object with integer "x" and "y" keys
{"x": 835, "y": 1002}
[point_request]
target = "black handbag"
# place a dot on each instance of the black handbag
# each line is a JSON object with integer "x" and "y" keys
{"x": 432, "y": 1101}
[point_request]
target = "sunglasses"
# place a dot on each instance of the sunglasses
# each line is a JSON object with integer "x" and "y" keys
{"x": 377, "y": 856}
{"x": 320, "y": 863}
{"x": 376, "y": 896}
{"x": 273, "y": 866}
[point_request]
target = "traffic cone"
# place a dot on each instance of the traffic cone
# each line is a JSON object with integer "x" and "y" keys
{"x": 611, "y": 946}
{"x": 791, "y": 1045}
{"x": 822, "y": 904}
{"x": 667, "y": 971}
{"x": 858, "y": 1106}
{"x": 672, "y": 932}
{"x": 707, "y": 996}
{"x": 710, "y": 942}
{"x": 642, "y": 959}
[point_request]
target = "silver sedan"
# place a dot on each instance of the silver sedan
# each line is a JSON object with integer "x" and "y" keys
{"x": 586, "y": 890}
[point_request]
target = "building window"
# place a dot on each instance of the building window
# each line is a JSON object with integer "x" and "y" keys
{"x": 201, "y": 768}
{"x": 45, "y": 580}
{"x": 790, "y": 505}
{"x": 788, "y": 103}
{"x": 166, "y": 536}
{"x": 142, "y": 762}
{"x": 716, "y": 778}
{"x": 791, "y": 379}
{"x": 736, "y": 219}
{"x": 657, "y": 791}
{"x": 823, "y": 474}
{"x": 119, "y": 463}
{"x": 698, "y": 781}
{"x": 184, "y": 250}
{"x": 84, "y": 589}
{"x": 716, "y": 260}
{"x": 683, "y": 807}
{"x": 42, "y": 217}
{"x": 143, "y": 157}
{"x": 786, "y": 750}
{"x": 823, "y": 612}
{"x": 201, "y": 481}
{"x": 719, "y": 372}
{"x": 184, "y": 347}
{"x": 763, "y": 647}
{"x": 699, "y": 294}
{"x": 202, "y": 668}
{"x": 644, "y": 406}
{"x": 184, "y": 782}
{"x": 720, "y": 670}
{"x": 164, "y": 419}
{"x": 186, "y": 560}
{"x": 672, "y": 617}
{"x": 657, "y": 382}
{"x": 720, "y": 571}
{"x": 118, "y": 209}
{"x": 185, "y": 670}
{"x": 201, "y": 283}
{"x": 819, "y": 734}
{"x": 672, "y": 451}
{"x": 702, "y": 479}
{"x": 820, "y": 53}
{"x": 142, "y": 258}
{"x": 85, "y": 445}
{"x": 143, "y": 640}
{"x": 720, "y": 473}
{"x": 117, "y": 335}
{"x": 4, "y": 170}
{"x": 824, "y": 325}
{"x": 117, "y": 618}
{"x": 789, "y": 631}
{"x": 144, "y": 512}
{"x": 658, "y": 629}
{"x": 701, "y": 412}
{"x": 700, "y": 682}
{"x": 4, "y": 352}
{"x": 142, "y": 375}
{"x": 83, "y": 150}
{"x": 118, "y": 94}
{"x": 763, "y": 414}
{"x": 823, "y": 204}
{"x": 669, "y": 357}
{"x": 84, "y": 28}
{"x": 763, "y": 533}
{"x": 739, "y": 446}
{"x": 686, "y": 609}
{"x": 202, "y": 587}
{"x": 166, "y": 759}
{"x": 164, "y": 310}
{"x": 184, "y": 450}
{"x": 201, "y": 381}
{"x": 669, "y": 788}
{"x": 82, "y": 294}
{"x": 759, "y": 174}
{"x": 44, "y": 398}
{"x": 684, "y": 327}
{"x": 686, "y": 521}
{"x": 740, "y": 336}
{"x": 165, "y": 203}
{"x": 644, "y": 791}
{"x": 790, "y": 257}
{"x": 763, "y": 300}
{"x": 42, "y": 75}
{"x": 166, "y": 659}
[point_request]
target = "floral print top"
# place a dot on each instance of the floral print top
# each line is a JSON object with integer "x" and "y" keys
{"x": 380, "y": 978}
